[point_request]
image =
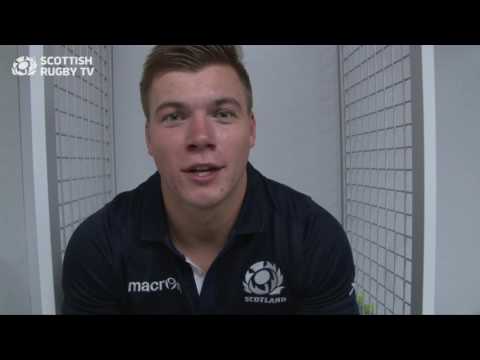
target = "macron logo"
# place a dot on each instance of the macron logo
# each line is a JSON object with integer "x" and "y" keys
{"x": 154, "y": 286}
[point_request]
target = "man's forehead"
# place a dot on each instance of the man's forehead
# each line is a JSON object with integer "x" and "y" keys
{"x": 221, "y": 74}
{"x": 206, "y": 85}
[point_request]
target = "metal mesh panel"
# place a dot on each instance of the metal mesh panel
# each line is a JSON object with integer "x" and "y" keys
{"x": 377, "y": 138}
{"x": 84, "y": 150}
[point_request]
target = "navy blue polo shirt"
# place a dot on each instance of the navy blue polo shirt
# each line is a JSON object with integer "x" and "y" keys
{"x": 285, "y": 255}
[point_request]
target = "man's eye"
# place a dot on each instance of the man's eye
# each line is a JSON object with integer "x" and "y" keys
{"x": 171, "y": 117}
{"x": 225, "y": 114}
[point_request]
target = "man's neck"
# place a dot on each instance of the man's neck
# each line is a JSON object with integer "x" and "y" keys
{"x": 195, "y": 229}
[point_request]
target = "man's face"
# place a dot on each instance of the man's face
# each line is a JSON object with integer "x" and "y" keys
{"x": 200, "y": 134}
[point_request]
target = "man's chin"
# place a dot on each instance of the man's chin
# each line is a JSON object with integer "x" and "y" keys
{"x": 204, "y": 202}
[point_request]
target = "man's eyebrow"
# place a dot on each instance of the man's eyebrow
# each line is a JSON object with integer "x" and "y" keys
{"x": 228, "y": 100}
{"x": 170, "y": 104}
{"x": 180, "y": 105}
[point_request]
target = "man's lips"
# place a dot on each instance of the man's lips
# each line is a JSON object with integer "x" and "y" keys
{"x": 203, "y": 174}
{"x": 202, "y": 168}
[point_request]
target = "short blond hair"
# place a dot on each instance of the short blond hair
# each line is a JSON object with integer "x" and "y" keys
{"x": 166, "y": 58}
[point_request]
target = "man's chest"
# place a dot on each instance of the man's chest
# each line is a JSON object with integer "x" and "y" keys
{"x": 158, "y": 282}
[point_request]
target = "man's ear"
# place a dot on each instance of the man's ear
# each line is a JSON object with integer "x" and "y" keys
{"x": 147, "y": 138}
{"x": 253, "y": 130}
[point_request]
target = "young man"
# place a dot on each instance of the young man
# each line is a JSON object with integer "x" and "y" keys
{"x": 207, "y": 233}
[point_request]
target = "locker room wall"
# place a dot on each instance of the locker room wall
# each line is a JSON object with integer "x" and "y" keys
{"x": 378, "y": 172}
{"x": 82, "y": 113}
{"x": 457, "y": 88}
{"x": 26, "y": 261}
{"x": 14, "y": 291}
{"x": 80, "y": 146}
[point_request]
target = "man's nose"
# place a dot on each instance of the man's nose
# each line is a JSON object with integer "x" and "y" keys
{"x": 201, "y": 133}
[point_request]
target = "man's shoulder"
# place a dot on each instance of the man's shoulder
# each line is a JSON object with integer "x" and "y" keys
{"x": 291, "y": 203}
{"x": 127, "y": 205}
{"x": 121, "y": 211}
{"x": 105, "y": 234}
{"x": 127, "y": 200}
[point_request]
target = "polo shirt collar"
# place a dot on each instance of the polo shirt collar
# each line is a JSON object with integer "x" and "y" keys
{"x": 251, "y": 219}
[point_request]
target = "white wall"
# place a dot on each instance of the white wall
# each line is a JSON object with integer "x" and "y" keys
{"x": 296, "y": 99}
{"x": 430, "y": 178}
{"x": 457, "y": 87}
{"x": 296, "y": 102}
{"x": 133, "y": 165}
{"x": 26, "y": 274}
{"x": 14, "y": 291}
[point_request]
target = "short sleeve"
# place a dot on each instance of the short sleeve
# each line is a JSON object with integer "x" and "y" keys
{"x": 88, "y": 278}
{"x": 329, "y": 270}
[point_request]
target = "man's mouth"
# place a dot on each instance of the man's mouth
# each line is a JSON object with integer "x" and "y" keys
{"x": 203, "y": 170}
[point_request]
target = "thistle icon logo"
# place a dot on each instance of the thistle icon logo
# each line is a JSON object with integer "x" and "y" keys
{"x": 263, "y": 278}
{"x": 24, "y": 65}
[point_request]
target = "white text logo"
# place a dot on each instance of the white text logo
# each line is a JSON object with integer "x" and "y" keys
{"x": 154, "y": 286}
{"x": 54, "y": 66}
{"x": 265, "y": 279}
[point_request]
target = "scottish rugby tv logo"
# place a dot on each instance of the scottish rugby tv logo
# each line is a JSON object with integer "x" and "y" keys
{"x": 24, "y": 65}
{"x": 54, "y": 66}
